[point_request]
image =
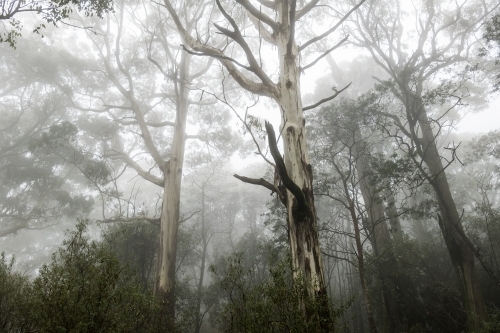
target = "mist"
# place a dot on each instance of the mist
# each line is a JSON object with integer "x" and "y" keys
{"x": 249, "y": 166}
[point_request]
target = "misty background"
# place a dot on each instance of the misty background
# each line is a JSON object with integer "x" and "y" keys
{"x": 141, "y": 191}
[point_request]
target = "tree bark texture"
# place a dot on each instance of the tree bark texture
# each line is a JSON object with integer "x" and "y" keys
{"x": 302, "y": 221}
{"x": 171, "y": 197}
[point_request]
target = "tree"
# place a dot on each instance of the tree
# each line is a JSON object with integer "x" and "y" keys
{"x": 35, "y": 143}
{"x": 343, "y": 143}
{"x": 294, "y": 171}
{"x": 52, "y": 11}
{"x": 140, "y": 115}
{"x": 444, "y": 37}
{"x": 492, "y": 37}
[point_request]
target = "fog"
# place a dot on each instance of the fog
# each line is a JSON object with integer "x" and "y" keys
{"x": 249, "y": 166}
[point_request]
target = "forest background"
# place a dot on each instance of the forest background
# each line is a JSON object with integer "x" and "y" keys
{"x": 258, "y": 166}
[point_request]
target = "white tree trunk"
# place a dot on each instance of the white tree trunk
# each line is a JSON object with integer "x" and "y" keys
{"x": 302, "y": 223}
{"x": 171, "y": 196}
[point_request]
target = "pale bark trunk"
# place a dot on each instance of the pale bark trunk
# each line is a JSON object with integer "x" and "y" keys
{"x": 461, "y": 255}
{"x": 302, "y": 223}
{"x": 171, "y": 197}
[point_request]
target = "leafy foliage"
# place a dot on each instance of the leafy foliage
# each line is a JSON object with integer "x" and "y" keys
{"x": 14, "y": 289}
{"x": 135, "y": 245}
{"x": 52, "y": 11}
{"x": 269, "y": 306}
{"x": 492, "y": 37}
{"x": 84, "y": 289}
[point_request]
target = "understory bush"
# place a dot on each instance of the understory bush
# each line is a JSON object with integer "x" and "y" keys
{"x": 84, "y": 289}
{"x": 273, "y": 305}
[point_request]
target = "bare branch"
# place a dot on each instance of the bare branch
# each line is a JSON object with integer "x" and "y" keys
{"x": 266, "y": 35}
{"x": 324, "y": 54}
{"x": 143, "y": 173}
{"x": 337, "y": 92}
{"x": 257, "y": 181}
{"x": 306, "y": 9}
{"x": 258, "y": 14}
{"x": 332, "y": 29}
{"x": 14, "y": 229}
{"x": 271, "y": 4}
{"x": 246, "y": 83}
{"x": 148, "y": 123}
{"x": 190, "y": 216}
{"x": 238, "y": 38}
{"x": 153, "y": 220}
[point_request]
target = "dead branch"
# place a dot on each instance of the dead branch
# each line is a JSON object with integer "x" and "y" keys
{"x": 280, "y": 166}
{"x": 337, "y": 92}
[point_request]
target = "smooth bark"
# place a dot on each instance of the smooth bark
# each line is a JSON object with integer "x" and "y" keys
{"x": 167, "y": 252}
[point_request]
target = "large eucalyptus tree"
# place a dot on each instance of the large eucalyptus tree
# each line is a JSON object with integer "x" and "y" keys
{"x": 140, "y": 91}
{"x": 278, "y": 24}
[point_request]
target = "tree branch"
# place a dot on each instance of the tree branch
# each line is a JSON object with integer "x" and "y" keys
{"x": 140, "y": 171}
{"x": 246, "y": 83}
{"x": 332, "y": 29}
{"x": 271, "y": 4}
{"x": 324, "y": 54}
{"x": 324, "y": 100}
{"x": 258, "y": 14}
{"x": 281, "y": 168}
{"x": 238, "y": 38}
{"x": 266, "y": 35}
{"x": 306, "y": 9}
{"x": 153, "y": 220}
{"x": 257, "y": 181}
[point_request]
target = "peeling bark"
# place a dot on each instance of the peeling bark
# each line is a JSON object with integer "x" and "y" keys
{"x": 302, "y": 221}
{"x": 167, "y": 252}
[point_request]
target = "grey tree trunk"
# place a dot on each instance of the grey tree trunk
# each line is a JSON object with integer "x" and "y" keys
{"x": 461, "y": 255}
{"x": 204, "y": 240}
{"x": 378, "y": 228}
{"x": 391, "y": 213}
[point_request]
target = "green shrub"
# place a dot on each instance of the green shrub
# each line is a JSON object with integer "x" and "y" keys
{"x": 86, "y": 289}
{"x": 275, "y": 305}
{"x": 13, "y": 290}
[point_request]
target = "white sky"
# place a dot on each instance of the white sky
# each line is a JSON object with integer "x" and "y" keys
{"x": 484, "y": 121}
